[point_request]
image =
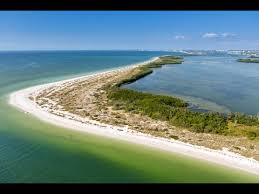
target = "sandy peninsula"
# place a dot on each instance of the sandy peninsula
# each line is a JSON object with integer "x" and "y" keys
{"x": 41, "y": 101}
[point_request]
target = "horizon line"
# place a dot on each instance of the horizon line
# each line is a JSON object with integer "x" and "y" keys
{"x": 168, "y": 50}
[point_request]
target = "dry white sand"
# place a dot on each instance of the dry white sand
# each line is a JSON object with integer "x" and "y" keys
{"x": 20, "y": 100}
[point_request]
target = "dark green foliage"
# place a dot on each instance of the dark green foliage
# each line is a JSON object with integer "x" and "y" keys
{"x": 244, "y": 119}
{"x": 237, "y": 148}
{"x": 144, "y": 72}
{"x": 131, "y": 96}
{"x": 165, "y": 60}
{"x": 200, "y": 122}
{"x": 170, "y": 109}
{"x": 174, "y": 137}
{"x": 249, "y": 60}
{"x": 147, "y": 69}
{"x": 252, "y": 135}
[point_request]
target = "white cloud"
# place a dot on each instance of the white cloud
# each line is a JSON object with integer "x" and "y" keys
{"x": 210, "y": 35}
{"x": 218, "y": 35}
{"x": 179, "y": 37}
{"x": 228, "y": 35}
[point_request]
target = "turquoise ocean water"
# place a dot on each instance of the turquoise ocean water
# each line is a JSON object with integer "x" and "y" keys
{"x": 35, "y": 151}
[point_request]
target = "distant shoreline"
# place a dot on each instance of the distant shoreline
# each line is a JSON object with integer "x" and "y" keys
{"x": 20, "y": 99}
{"x": 249, "y": 60}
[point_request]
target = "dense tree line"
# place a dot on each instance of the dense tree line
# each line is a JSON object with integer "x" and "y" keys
{"x": 147, "y": 69}
{"x": 167, "y": 108}
{"x": 240, "y": 118}
{"x": 249, "y": 60}
{"x": 144, "y": 71}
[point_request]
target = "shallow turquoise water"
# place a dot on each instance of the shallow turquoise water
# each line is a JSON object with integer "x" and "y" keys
{"x": 34, "y": 151}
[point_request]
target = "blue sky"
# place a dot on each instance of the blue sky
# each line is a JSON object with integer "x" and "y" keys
{"x": 44, "y": 30}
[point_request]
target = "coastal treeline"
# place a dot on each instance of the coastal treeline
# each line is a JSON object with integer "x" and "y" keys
{"x": 174, "y": 110}
{"x": 167, "y": 108}
{"x": 240, "y": 118}
{"x": 148, "y": 69}
{"x": 249, "y": 60}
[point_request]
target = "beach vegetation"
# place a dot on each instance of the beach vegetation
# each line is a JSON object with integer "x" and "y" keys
{"x": 174, "y": 110}
{"x": 241, "y": 118}
{"x": 148, "y": 69}
{"x": 175, "y": 137}
{"x": 249, "y": 60}
{"x": 167, "y": 108}
{"x": 251, "y": 132}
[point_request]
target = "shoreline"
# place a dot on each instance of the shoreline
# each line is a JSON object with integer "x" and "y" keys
{"x": 20, "y": 100}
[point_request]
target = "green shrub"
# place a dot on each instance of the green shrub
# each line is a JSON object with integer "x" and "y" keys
{"x": 170, "y": 109}
{"x": 252, "y": 135}
{"x": 174, "y": 137}
{"x": 245, "y": 119}
{"x": 147, "y": 69}
{"x": 249, "y": 60}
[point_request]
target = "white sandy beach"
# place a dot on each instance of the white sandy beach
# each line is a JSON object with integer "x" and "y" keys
{"x": 20, "y": 100}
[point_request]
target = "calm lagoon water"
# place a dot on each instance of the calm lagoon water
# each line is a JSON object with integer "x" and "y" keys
{"x": 35, "y": 151}
{"x": 215, "y": 83}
